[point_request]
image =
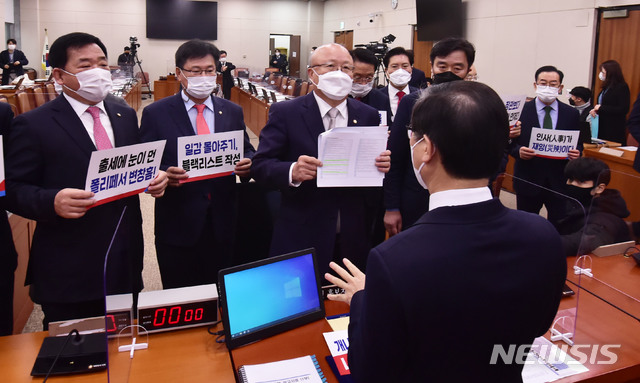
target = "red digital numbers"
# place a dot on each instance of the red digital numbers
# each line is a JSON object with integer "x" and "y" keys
{"x": 111, "y": 323}
{"x": 175, "y": 316}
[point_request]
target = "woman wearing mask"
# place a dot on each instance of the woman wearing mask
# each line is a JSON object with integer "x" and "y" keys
{"x": 12, "y": 61}
{"x": 613, "y": 103}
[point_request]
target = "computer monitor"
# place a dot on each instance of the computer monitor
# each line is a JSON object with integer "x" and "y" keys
{"x": 270, "y": 296}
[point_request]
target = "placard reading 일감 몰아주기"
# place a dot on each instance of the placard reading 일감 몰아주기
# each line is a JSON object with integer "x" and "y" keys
{"x": 554, "y": 144}
{"x": 121, "y": 172}
{"x": 210, "y": 155}
{"x": 514, "y": 105}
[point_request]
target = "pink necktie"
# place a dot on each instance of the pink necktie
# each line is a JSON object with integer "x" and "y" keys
{"x": 99, "y": 132}
{"x": 201, "y": 124}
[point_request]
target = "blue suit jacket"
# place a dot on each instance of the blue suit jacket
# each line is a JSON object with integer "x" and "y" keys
{"x": 401, "y": 189}
{"x": 541, "y": 171}
{"x": 464, "y": 276}
{"x": 385, "y": 92}
{"x": 377, "y": 100}
{"x": 49, "y": 150}
{"x": 308, "y": 214}
{"x": 8, "y": 255}
{"x": 180, "y": 214}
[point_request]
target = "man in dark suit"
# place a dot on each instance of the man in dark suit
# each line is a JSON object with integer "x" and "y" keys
{"x": 365, "y": 65}
{"x": 404, "y": 198}
{"x": 333, "y": 220}
{"x": 49, "y": 152}
{"x": 225, "y": 68}
{"x": 279, "y": 61}
{"x": 8, "y": 255}
{"x": 634, "y": 129}
{"x": 446, "y": 281}
{"x": 12, "y": 62}
{"x": 398, "y": 65}
{"x": 547, "y": 112}
{"x": 194, "y": 222}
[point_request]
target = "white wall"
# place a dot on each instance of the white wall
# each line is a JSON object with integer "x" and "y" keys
{"x": 244, "y": 27}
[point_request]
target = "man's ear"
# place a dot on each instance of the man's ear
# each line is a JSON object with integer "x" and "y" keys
{"x": 599, "y": 189}
{"x": 57, "y": 75}
{"x": 429, "y": 151}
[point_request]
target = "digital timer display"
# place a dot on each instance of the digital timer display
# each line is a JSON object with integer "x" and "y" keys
{"x": 178, "y": 315}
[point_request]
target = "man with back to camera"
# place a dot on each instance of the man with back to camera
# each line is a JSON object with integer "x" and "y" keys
{"x": 195, "y": 221}
{"x": 12, "y": 62}
{"x": 333, "y": 220}
{"x": 580, "y": 98}
{"x": 404, "y": 198}
{"x": 470, "y": 274}
{"x": 547, "y": 112}
{"x": 225, "y": 68}
{"x": 47, "y": 160}
{"x": 398, "y": 65}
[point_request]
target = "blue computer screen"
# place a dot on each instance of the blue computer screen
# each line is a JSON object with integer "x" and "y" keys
{"x": 269, "y": 294}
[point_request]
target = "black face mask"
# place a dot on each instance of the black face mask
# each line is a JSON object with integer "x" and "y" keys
{"x": 443, "y": 77}
{"x": 583, "y": 195}
{"x": 571, "y": 102}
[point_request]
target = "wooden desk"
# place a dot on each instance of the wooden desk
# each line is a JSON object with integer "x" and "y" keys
{"x": 177, "y": 356}
{"x": 623, "y": 178}
{"x": 165, "y": 88}
{"x": 255, "y": 110}
{"x": 305, "y": 340}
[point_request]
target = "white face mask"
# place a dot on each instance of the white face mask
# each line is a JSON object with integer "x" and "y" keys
{"x": 11, "y": 47}
{"x": 200, "y": 86}
{"x": 95, "y": 84}
{"x": 417, "y": 171}
{"x": 335, "y": 84}
{"x": 400, "y": 78}
{"x": 602, "y": 76}
{"x": 223, "y": 60}
{"x": 361, "y": 90}
{"x": 546, "y": 94}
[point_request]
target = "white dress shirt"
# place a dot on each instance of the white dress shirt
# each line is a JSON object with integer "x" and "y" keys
{"x": 393, "y": 98}
{"x": 459, "y": 197}
{"x": 209, "y": 115}
{"x": 87, "y": 119}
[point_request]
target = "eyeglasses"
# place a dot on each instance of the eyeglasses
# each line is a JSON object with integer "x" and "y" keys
{"x": 199, "y": 72}
{"x": 333, "y": 67}
{"x": 362, "y": 80}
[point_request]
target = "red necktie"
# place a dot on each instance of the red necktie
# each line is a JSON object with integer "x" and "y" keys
{"x": 400, "y": 95}
{"x": 201, "y": 124}
{"x": 99, "y": 132}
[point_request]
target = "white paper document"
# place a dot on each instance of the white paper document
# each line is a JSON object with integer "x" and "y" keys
{"x": 349, "y": 154}
{"x": 547, "y": 363}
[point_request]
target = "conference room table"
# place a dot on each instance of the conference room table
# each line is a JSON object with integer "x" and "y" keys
{"x": 192, "y": 355}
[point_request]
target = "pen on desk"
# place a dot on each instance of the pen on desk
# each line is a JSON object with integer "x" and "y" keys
{"x": 338, "y": 316}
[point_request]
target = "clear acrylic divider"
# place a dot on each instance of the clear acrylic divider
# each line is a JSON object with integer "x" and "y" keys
{"x": 570, "y": 214}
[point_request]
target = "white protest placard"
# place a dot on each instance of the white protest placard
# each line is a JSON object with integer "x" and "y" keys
{"x": 553, "y": 144}
{"x": 2, "y": 185}
{"x": 338, "y": 343}
{"x": 210, "y": 155}
{"x": 383, "y": 117}
{"x": 121, "y": 172}
{"x": 514, "y": 105}
{"x": 349, "y": 154}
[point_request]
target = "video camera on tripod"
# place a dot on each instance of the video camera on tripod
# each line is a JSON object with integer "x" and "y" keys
{"x": 379, "y": 50}
{"x": 133, "y": 45}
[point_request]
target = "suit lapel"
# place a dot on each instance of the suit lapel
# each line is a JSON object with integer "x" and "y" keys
{"x": 64, "y": 115}
{"x": 311, "y": 117}
{"x": 220, "y": 116}
{"x": 180, "y": 116}
{"x": 353, "y": 118}
{"x": 121, "y": 136}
